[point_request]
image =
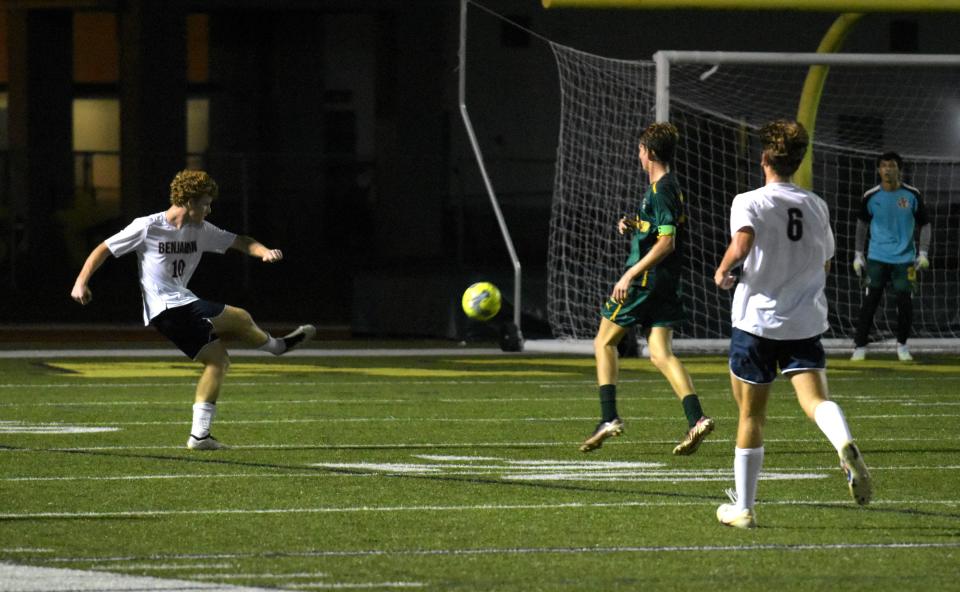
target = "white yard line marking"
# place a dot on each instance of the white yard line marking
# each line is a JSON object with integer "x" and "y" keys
{"x": 184, "y": 476}
{"x": 533, "y": 381}
{"x": 327, "y": 475}
{"x": 526, "y": 551}
{"x": 311, "y": 420}
{"x": 509, "y": 469}
{"x": 354, "y": 586}
{"x": 457, "y": 508}
{"x": 17, "y": 427}
{"x": 171, "y": 567}
{"x": 23, "y": 578}
{"x": 453, "y": 445}
{"x": 261, "y": 576}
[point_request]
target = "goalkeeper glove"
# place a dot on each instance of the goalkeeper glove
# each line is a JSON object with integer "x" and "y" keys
{"x": 859, "y": 263}
{"x": 922, "y": 261}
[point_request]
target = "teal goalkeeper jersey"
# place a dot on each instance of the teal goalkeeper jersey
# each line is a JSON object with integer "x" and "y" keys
{"x": 893, "y": 217}
{"x": 661, "y": 213}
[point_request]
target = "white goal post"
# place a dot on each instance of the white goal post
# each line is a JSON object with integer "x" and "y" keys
{"x": 870, "y": 103}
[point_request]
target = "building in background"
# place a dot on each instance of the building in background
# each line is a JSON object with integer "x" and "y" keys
{"x": 333, "y": 129}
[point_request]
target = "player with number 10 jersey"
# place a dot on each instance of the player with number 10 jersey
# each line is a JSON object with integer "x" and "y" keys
{"x": 167, "y": 257}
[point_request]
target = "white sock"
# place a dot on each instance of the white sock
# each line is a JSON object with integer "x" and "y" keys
{"x": 830, "y": 420}
{"x": 747, "y": 463}
{"x": 202, "y": 418}
{"x": 274, "y": 346}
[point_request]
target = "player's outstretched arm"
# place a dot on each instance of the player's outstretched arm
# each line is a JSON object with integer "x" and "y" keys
{"x": 81, "y": 289}
{"x": 254, "y": 248}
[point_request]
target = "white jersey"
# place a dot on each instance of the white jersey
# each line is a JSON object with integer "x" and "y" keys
{"x": 780, "y": 294}
{"x": 167, "y": 257}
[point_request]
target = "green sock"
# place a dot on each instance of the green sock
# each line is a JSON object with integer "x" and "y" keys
{"x": 691, "y": 407}
{"x": 608, "y": 401}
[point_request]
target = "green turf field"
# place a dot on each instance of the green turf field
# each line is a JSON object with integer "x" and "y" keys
{"x": 462, "y": 473}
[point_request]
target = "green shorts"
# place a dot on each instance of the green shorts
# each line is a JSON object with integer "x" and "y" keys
{"x": 646, "y": 308}
{"x": 902, "y": 276}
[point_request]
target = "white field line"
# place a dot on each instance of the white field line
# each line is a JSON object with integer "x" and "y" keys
{"x": 15, "y": 425}
{"x": 326, "y": 475}
{"x": 895, "y": 400}
{"x": 253, "y": 353}
{"x": 527, "y": 551}
{"x": 353, "y": 586}
{"x": 24, "y": 578}
{"x": 536, "y": 381}
{"x": 260, "y": 576}
{"x": 172, "y": 566}
{"x": 450, "y": 445}
{"x": 452, "y": 508}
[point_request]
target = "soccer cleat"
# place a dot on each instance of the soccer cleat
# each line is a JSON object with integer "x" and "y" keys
{"x": 859, "y": 354}
{"x": 903, "y": 354}
{"x": 207, "y": 442}
{"x": 731, "y": 515}
{"x": 605, "y": 429}
{"x": 858, "y": 478}
{"x": 298, "y": 336}
{"x": 694, "y": 437}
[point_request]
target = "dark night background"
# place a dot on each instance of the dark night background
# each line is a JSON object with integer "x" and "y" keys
{"x": 334, "y": 131}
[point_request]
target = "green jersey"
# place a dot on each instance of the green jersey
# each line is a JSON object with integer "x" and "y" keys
{"x": 661, "y": 213}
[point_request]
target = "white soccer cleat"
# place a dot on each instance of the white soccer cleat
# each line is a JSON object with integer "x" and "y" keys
{"x": 731, "y": 515}
{"x": 604, "y": 430}
{"x": 207, "y": 442}
{"x": 903, "y": 354}
{"x": 858, "y": 478}
{"x": 298, "y": 336}
{"x": 859, "y": 354}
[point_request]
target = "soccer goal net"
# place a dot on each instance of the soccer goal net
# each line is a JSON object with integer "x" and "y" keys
{"x": 865, "y": 109}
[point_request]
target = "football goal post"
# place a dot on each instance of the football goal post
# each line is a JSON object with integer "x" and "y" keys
{"x": 511, "y": 335}
{"x": 870, "y": 103}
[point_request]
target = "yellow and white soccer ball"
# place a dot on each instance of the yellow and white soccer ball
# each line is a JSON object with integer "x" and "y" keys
{"x": 481, "y": 301}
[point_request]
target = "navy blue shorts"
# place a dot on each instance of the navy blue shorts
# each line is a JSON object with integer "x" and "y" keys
{"x": 189, "y": 326}
{"x": 755, "y": 359}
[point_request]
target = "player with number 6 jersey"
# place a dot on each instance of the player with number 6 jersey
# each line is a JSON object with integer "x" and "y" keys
{"x": 780, "y": 294}
{"x": 781, "y": 236}
{"x": 169, "y": 246}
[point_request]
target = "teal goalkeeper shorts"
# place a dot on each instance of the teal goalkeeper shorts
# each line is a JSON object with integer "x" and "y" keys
{"x": 646, "y": 308}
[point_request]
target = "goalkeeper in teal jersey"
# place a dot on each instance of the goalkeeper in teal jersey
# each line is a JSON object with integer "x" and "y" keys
{"x": 648, "y": 294}
{"x": 892, "y": 212}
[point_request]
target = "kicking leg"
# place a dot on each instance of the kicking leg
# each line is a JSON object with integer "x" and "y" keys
{"x": 236, "y": 323}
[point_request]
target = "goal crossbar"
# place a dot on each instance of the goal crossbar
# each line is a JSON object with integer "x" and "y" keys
{"x": 665, "y": 58}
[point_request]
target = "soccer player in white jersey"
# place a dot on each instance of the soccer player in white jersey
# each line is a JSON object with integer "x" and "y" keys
{"x": 168, "y": 246}
{"x": 782, "y": 238}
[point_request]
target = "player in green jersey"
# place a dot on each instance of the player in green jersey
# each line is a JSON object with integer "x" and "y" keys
{"x": 648, "y": 294}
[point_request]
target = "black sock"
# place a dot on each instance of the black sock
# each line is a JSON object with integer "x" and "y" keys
{"x": 691, "y": 407}
{"x": 608, "y": 401}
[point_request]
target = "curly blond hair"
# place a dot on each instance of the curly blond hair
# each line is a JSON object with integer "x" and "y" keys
{"x": 187, "y": 185}
{"x": 784, "y": 144}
